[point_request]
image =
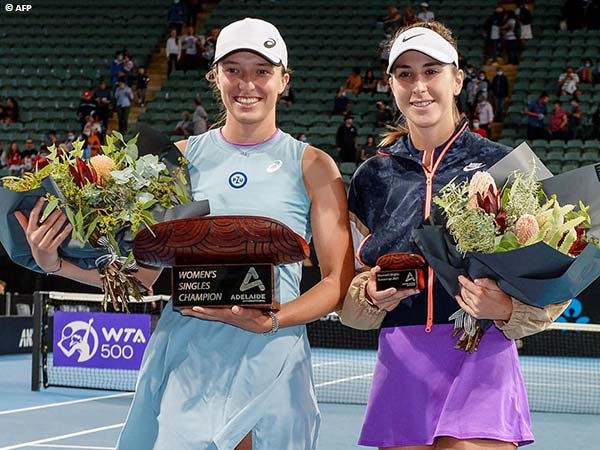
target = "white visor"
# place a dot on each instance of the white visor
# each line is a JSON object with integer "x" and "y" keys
{"x": 425, "y": 41}
{"x": 254, "y": 35}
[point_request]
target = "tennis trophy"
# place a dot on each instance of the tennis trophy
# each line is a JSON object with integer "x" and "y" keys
{"x": 221, "y": 261}
{"x": 401, "y": 271}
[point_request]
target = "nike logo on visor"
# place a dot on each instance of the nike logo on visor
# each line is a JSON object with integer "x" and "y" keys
{"x": 410, "y": 37}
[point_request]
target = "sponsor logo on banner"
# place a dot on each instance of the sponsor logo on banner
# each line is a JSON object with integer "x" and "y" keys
{"x": 101, "y": 340}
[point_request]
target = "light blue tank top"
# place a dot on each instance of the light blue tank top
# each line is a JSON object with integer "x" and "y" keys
{"x": 262, "y": 180}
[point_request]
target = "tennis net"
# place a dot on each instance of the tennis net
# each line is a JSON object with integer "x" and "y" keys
{"x": 561, "y": 366}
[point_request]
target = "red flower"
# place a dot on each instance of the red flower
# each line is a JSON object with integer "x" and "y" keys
{"x": 83, "y": 173}
{"x": 580, "y": 244}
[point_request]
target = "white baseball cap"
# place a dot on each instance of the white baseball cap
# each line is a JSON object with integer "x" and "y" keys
{"x": 425, "y": 41}
{"x": 254, "y": 35}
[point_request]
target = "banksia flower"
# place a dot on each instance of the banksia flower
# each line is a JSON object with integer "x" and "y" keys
{"x": 103, "y": 165}
{"x": 480, "y": 184}
{"x": 526, "y": 227}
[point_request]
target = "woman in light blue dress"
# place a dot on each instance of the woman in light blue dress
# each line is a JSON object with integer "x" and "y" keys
{"x": 239, "y": 378}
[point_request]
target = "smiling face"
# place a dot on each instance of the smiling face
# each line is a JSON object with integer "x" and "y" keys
{"x": 424, "y": 89}
{"x": 249, "y": 86}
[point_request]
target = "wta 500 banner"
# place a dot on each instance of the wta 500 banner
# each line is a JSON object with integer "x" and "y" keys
{"x": 101, "y": 340}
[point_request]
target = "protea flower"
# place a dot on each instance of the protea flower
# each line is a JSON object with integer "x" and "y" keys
{"x": 480, "y": 183}
{"x": 526, "y": 227}
{"x": 82, "y": 173}
{"x": 102, "y": 164}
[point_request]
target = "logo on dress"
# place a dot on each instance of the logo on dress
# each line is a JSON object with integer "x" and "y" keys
{"x": 238, "y": 180}
{"x": 79, "y": 337}
{"x": 248, "y": 284}
{"x": 274, "y": 166}
{"x": 270, "y": 43}
{"x": 473, "y": 166}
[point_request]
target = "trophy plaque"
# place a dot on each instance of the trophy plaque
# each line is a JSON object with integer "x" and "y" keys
{"x": 221, "y": 261}
{"x": 401, "y": 271}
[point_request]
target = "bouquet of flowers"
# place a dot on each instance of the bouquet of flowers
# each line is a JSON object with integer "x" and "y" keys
{"x": 537, "y": 249}
{"x": 107, "y": 200}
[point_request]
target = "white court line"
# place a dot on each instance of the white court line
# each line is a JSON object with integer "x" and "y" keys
{"x": 341, "y": 380}
{"x": 64, "y": 436}
{"x": 71, "y": 402}
{"x": 78, "y": 447}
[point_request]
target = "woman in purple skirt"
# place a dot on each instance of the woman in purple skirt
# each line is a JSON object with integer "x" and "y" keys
{"x": 425, "y": 393}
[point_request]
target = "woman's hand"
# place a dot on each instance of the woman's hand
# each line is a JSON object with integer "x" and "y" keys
{"x": 45, "y": 238}
{"x": 483, "y": 299}
{"x": 388, "y": 299}
{"x": 249, "y": 319}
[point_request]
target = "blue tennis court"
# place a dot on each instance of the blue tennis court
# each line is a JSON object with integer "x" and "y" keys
{"x": 70, "y": 418}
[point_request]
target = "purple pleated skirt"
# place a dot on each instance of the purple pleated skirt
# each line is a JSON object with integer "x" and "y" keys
{"x": 423, "y": 388}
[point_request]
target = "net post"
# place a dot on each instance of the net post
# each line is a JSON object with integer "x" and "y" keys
{"x": 37, "y": 340}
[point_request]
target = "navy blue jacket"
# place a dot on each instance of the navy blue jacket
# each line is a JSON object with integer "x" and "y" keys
{"x": 387, "y": 198}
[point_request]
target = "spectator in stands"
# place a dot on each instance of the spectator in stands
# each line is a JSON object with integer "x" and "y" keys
{"x": 2, "y": 287}
{"x": 567, "y": 82}
{"x": 71, "y": 136}
{"x": 41, "y": 159}
{"x": 2, "y": 156}
{"x": 208, "y": 47}
{"x": 177, "y": 16}
{"x": 341, "y": 101}
{"x": 12, "y": 110}
{"x": 29, "y": 148}
{"x": 463, "y": 97}
{"x": 183, "y": 127}
{"x": 287, "y": 97}
{"x": 511, "y": 44}
{"x": 499, "y": 88}
{"x": 346, "y": 139}
{"x": 483, "y": 84}
{"x": 87, "y": 107}
{"x": 369, "y": 149}
{"x": 525, "y": 20}
{"x": 573, "y": 12}
{"x": 559, "y": 123}
{"x": 104, "y": 98}
{"x": 354, "y": 81}
{"x": 199, "y": 118}
{"x": 410, "y": 18}
{"x": 173, "y": 52}
{"x": 392, "y": 21}
{"x": 50, "y": 138}
{"x": 485, "y": 113}
{"x": 123, "y": 98}
{"x": 383, "y": 85}
{"x": 383, "y": 116}
{"x": 2, "y": 114}
{"x": 128, "y": 68}
{"x": 13, "y": 157}
{"x": 475, "y": 128}
{"x": 586, "y": 71}
{"x": 492, "y": 25}
{"x": 369, "y": 83}
{"x": 575, "y": 120}
{"x": 116, "y": 68}
{"x": 194, "y": 7}
{"x": 425, "y": 15}
{"x": 142, "y": 81}
{"x": 536, "y": 112}
{"x": 190, "y": 50}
